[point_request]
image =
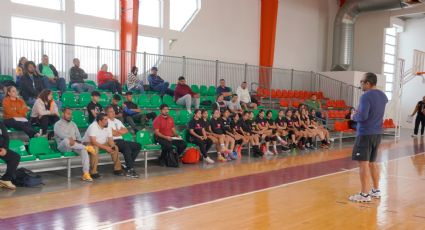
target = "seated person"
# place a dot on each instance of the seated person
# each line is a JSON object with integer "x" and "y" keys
{"x": 99, "y": 135}
{"x": 31, "y": 84}
{"x": 246, "y": 129}
{"x": 220, "y": 104}
{"x": 45, "y": 111}
{"x": 15, "y": 112}
{"x": 94, "y": 108}
{"x": 165, "y": 130}
{"x": 68, "y": 139}
{"x": 20, "y": 69}
{"x": 117, "y": 108}
{"x": 234, "y": 105}
{"x": 244, "y": 97}
{"x": 129, "y": 149}
{"x": 183, "y": 95}
{"x": 224, "y": 90}
{"x": 198, "y": 136}
{"x": 351, "y": 123}
{"x": 51, "y": 78}
{"x": 315, "y": 104}
{"x": 11, "y": 158}
{"x": 106, "y": 80}
{"x": 133, "y": 113}
{"x": 158, "y": 84}
{"x": 77, "y": 77}
{"x": 133, "y": 83}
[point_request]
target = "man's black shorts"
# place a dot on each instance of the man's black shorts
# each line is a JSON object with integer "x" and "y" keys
{"x": 366, "y": 148}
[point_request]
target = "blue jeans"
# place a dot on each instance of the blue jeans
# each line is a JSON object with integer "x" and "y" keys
{"x": 138, "y": 87}
{"x": 163, "y": 89}
{"x": 82, "y": 87}
{"x": 113, "y": 86}
{"x": 59, "y": 84}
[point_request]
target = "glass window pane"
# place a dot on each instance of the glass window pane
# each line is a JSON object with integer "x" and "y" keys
{"x": 389, "y": 77}
{"x": 390, "y": 40}
{"x": 150, "y": 13}
{"x": 182, "y": 12}
{"x": 389, "y": 59}
{"x": 390, "y": 49}
{"x": 389, "y": 87}
{"x": 94, "y": 37}
{"x": 389, "y": 95}
{"x": 49, "y": 4}
{"x": 391, "y": 31}
{"x": 388, "y": 68}
{"x": 148, "y": 44}
{"x": 97, "y": 8}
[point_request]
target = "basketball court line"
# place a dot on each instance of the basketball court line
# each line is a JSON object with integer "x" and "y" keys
{"x": 248, "y": 193}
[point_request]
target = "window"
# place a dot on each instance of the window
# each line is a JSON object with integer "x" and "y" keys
{"x": 49, "y": 4}
{"x": 149, "y": 45}
{"x": 182, "y": 13}
{"x": 37, "y": 30}
{"x": 92, "y": 58}
{"x": 150, "y": 13}
{"x": 97, "y": 8}
{"x": 389, "y": 60}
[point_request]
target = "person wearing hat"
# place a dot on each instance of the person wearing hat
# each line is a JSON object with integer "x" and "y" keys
{"x": 158, "y": 84}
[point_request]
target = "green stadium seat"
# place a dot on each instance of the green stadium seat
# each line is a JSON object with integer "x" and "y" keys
{"x": 169, "y": 100}
{"x": 195, "y": 88}
{"x": 80, "y": 119}
{"x": 143, "y": 101}
{"x": 18, "y": 147}
{"x": 173, "y": 86}
{"x": 69, "y": 100}
{"x": 84, "y": 99}
{"x": 128, "y": 137}
{"x": 155, "y": 101}
{"x": 55, "y": 95}
{"x": 90, "y": 82}
{"x": 145, "y": 139}
{"x": 203, "y": 90}
{"x": 104, "y": 100}
{"x": 40, "y": 147}
{"x": 173, "y": 114}
{"x": 184, "y": 117}
{"x": 184, "y": 134}
{"x": 211, "y": 91}
{"x": 275, "y": 113}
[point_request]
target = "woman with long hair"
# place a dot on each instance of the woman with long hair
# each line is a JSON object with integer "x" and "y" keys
{"x": 45, "y": 111}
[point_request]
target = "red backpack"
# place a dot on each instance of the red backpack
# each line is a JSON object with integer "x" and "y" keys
{"x": 191, "y": 156}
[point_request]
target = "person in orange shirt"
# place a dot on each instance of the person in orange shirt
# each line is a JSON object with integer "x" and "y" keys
{"x": 106, "y": 80}
{"x": 15, "y": 111}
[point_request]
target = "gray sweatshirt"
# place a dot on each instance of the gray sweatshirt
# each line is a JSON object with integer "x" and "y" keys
{"x": 64, "y": 129}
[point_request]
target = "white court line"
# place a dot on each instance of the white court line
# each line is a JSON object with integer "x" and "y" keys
{"x": 244, "y": 194}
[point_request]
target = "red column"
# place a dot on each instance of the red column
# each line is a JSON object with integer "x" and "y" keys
{"x": 129, "y": 19}
{"x": 267, "y": 39}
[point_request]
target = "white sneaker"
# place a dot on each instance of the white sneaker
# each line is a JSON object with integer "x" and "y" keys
{"x": 360, "y": 198}
{"x": 375, "y": 193}
{"x": 208, "y": 160}
{"x": 332, "y": 139}
{"x": 269, "y": 152}
{"x": 414, "y": 135}
{"x": 7, "y": 184}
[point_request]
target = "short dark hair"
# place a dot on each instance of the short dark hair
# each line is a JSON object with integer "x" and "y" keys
{"x": 65, "y": 109}
{"x": 100, "y": 117}
{"x": 109, "y": 107}
{"x": 128, "y": 93}
{"x": 116, "y": 97}
{"x": 181, "y": 78}
{"x": 95, "y": 93}
{"x": 234, "y": 95}
{"x": 161, "y": 107}
{"x": 222, "y": 79}
{"x": 371, "y": 78}
{"x": 196, "y": 111}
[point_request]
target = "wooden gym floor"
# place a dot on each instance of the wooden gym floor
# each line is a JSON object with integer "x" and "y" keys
{"x": 307, "y": 190}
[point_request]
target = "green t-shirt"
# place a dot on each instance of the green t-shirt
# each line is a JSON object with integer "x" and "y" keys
{"x": 313, "y": 105}
{"x": 47, "y": 71}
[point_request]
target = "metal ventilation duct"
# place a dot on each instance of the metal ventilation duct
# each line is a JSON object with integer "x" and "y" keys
{"x": 343, "y": 39}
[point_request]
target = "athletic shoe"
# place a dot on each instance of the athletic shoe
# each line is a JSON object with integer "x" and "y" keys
{"x": 228, "y": 158}
{"x": 220, "y": 158}
{"x": 119, "y": 172}
{"x": 268, "y": 152}
{"x": 375, "y": 193}
{"x": 359, "y": 197}
{"x": 275, "y": 152}
{"x": 285, "y": 149}
{"x": 234, "y": 155}
{"x": 323, "y": 146}
{"x": 208, "y": 160}
{"x": 293, "y": 146}
{"x": 414, "y": 135}
{"x": 90, "y": 149}
{"x": 86, "y": 177}
{"x": 96, "y": 176}
{"x": 7, "y": 184}
{"x": 332, "y": 140}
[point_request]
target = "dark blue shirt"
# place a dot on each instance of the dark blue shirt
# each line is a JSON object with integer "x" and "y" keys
{"x": 370, "y": 113}
{"x": 221, "y": 90}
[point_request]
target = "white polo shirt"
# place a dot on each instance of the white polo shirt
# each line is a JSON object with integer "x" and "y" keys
{"x": 101, "y": 135}
{"x": 115, "y": 125}
{"x": 243, "y": 95}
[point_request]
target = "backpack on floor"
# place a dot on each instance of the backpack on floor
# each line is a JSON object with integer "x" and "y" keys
{"x": 191, "y": 156}
{"x": 27, "y": 178}
{"x": 169, "y": 159}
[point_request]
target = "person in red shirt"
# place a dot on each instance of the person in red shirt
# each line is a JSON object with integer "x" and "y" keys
{"x": 106, "y": 80}
{"x": 184, "y": 95}
{"x": 166, "y": 134}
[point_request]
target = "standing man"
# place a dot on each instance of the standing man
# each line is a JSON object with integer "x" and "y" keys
{"x": 420, "y": 118}
{"x": 369, "y": 118}
{"x": 77, "y": 77}
{"x": 51, "y": 76}
{"x": 222, "y": 89}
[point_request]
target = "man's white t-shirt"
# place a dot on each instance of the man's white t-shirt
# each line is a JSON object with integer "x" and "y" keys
{"x": 101, "y": 135}
{"x": 115, "y": 125}
{"x": 243, "y": 95}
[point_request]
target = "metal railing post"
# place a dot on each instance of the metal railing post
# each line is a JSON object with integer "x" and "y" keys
{"x": 216, "y": 72}
{"x": 245, "y": 72}
{"x": 98, "y": 57}
{"x": 184, "y": 66}
{"x": 292, "y": 79}
{"x": 145, "y": 69}
{"x": 42, "y": 47}
{"x": 311, "y": 80}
